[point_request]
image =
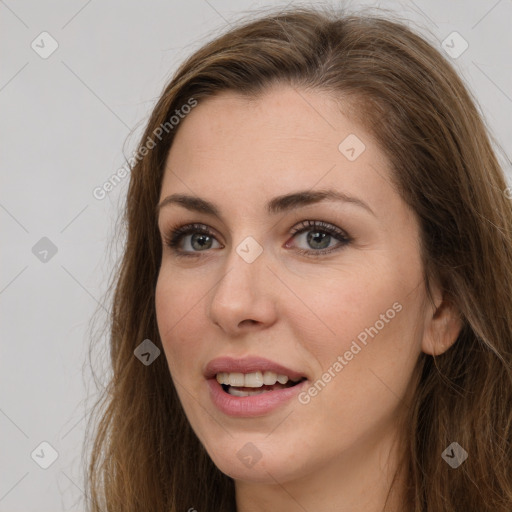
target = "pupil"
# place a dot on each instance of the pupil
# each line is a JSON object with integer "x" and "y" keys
{"x": 314, "y": 237}
{"x": 323, "y": 237}
{"x": 200, "y": 239}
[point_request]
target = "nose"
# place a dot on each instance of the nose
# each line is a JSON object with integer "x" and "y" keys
{"x": 244, "y": 296}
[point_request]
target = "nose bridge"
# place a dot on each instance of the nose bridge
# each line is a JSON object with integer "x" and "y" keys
{"x": 241, "y": 294}
{"x": 245, "y": 265}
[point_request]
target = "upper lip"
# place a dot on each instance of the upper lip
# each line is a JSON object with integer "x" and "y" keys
{"x": 248, "y": 364}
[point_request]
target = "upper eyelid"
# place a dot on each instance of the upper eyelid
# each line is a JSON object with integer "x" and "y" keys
{"x": 315, "y": 223}
{"x": 300, "y": 216}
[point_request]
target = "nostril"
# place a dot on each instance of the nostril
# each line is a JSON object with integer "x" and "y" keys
{"x": 247, "y": 322}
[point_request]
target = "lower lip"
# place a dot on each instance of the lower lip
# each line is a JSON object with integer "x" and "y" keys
{"x": 250, "y": 406}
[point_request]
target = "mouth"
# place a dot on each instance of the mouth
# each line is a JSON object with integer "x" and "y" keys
{"x": 251, "y": 386}
{"x": 254, "y": 383}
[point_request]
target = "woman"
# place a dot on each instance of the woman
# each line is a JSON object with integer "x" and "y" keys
{"x": 319, "y": 262}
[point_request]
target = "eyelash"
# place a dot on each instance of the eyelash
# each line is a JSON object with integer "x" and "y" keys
{"x": 175, "y": 235}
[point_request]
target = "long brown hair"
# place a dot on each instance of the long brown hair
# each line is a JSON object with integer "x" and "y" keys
{"x": 145, "y": 455}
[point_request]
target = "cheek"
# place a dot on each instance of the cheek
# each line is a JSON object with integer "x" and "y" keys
{"x": 365, "y": 315}
{"x": 177, "y": 308}
{"x": 336, "y": 307}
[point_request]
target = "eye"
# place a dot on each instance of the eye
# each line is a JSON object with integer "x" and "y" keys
{"x": 201, "y": 239}
{"x": 319, "y": 237}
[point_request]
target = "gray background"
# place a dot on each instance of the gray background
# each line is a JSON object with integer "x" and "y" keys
{"x": 65, "y": 122}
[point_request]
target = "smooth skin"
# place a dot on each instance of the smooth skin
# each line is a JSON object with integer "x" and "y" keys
{"x": 338, "y": 451}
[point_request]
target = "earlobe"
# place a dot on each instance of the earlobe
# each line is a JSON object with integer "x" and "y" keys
{"x": 442, "y": 328}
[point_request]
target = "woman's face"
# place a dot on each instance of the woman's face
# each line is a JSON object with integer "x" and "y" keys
{"x": 331, "y": 290}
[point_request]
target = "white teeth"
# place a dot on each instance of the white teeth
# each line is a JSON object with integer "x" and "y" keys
{"x": 236, "y": 392}
{"x": 251, "y": 380}
{"x": 269, "y": 378}
{"x": 236, "y": 379}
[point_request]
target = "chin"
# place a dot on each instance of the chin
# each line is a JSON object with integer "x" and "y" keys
{"x": 266, "y": 472}
{"x": 245, "y": 458}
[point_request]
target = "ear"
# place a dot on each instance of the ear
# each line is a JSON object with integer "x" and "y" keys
{"x": 442, "y": 325}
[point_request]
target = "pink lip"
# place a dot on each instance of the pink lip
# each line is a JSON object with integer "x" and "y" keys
{"x": 250, "y": 406}
{"x": 247, "y": 365}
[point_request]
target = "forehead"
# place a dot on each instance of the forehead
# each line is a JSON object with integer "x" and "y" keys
{"x": 274, "y": 120}
{"x": 231, "y": 147}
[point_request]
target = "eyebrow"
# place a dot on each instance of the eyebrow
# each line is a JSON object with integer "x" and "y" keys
{"x": 276, "y": 205}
